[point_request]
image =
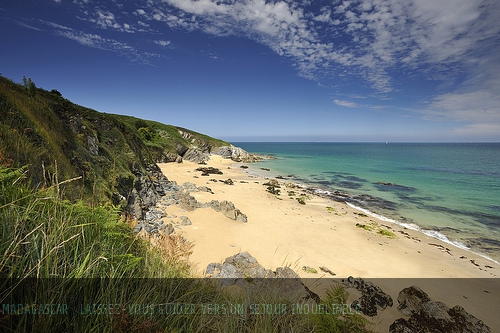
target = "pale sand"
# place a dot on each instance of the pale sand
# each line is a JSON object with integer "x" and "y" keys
{"x": 284, "y": 232}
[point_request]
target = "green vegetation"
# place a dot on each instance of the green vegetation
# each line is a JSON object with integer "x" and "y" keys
{"x": 63, "y": 242}
{"x": 341, "y": 319}
{"x": 309, "y": 270}
{"x": 380, "y": 231}
{"x": 302, "y": 198}
{"x": 387, "y": 233}
{"x": 368, "y": 227}
{"x": 39, "y": 127}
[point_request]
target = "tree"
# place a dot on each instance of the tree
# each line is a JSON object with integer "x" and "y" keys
{"x": 30, "y": 86}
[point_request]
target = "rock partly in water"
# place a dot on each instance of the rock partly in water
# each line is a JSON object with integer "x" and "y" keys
{"x": 428, "y": 316}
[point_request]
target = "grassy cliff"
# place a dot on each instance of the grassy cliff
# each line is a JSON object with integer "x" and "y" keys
{"x": 55, "y": 137}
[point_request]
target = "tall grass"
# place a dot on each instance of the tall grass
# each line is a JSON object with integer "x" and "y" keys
{"x": 85, "y": 260}
{"x": 56, "y": 252}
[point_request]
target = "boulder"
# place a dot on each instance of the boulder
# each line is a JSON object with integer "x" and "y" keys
{"x": 185, "y": 220}
{"x": 196, "y": 155}
{"x": 428, "y": 316}
{"x": 228, "y": 209}
{"x": 188, "y": 202}
{"x": 272, "y": 182}
{"x": 236, "y": 154}
{"x": 372, "y": 299}
{"x": 244, "y": 271}
{"x": 205, "y": 189}
{"x": 209, "y": 171}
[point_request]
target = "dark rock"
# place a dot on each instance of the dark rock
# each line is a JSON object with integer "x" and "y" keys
{"x": 209, "y": 171}
{"x": 244, "y": 167}
{"x": 428, "y": 316}
{"x": 169, "y": 157}
{"x": 372, "y": 298}
{"x": 229, "y": 181}
{"x": 196, "y": 155}
{"x": 273, "y": 190}
{"x": 180, "y": 149}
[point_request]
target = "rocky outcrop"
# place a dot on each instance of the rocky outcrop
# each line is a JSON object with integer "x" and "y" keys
{"x": 162, "y": 193}
{"x": 228, "y": 209}
{"x": 236, "y": 154}
{"x": 139, "y": 193}
{"x": 196, "y": 155}
{"x": 244, "y": 271}
{"x": 372, "y": 299}
{"x": 428, "y": 316}
{"x": 207, "y": 171}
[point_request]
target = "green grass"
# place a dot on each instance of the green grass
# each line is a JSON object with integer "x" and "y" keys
{"x": 76, "y": 246}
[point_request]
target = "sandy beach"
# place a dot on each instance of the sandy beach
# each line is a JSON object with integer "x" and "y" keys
{"x": 322, "y": 233}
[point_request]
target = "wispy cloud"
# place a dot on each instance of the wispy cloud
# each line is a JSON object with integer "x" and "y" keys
{"x": 347, "y": 104}
{"x": 162, "y": 42}
{"x": 99, "y": 42}
{"x": 22, "y": 24}
{"x": 380, "y": 41}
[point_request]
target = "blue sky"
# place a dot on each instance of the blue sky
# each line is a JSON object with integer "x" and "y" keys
{"x": 256, "y": 70}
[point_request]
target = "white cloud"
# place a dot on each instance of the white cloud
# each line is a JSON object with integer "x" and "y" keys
{"x": 27, "y": 25}
{"x": 377, "y": 40}
{"x": 97, "y": 41}
{"x": 347, "y": 104}
{"x": 162, "y": 42}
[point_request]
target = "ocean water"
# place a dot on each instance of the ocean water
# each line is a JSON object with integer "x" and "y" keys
{"x": 450, "y": 191}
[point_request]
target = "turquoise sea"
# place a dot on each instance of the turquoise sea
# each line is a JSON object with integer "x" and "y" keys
{"x": 450, "y": 191}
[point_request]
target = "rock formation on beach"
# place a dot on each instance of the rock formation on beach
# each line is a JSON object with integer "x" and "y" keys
{"x": 373, "y": 298}
{"x": 173, "y": 194}
{"x": 236, "y": 154}
{"x": 428, "y": 316}
{"x": 244, "y": 271}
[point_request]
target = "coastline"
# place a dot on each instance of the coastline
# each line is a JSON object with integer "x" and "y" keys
{"x": 282, "y": 232}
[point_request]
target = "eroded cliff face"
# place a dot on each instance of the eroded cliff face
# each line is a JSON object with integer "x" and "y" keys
{"x": 115, "y": 156}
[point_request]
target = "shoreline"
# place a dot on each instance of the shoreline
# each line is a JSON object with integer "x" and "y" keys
{"x": 325, "y": 233}
{"x": 252, "y": 194}
{"x": 353, "y": 201}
